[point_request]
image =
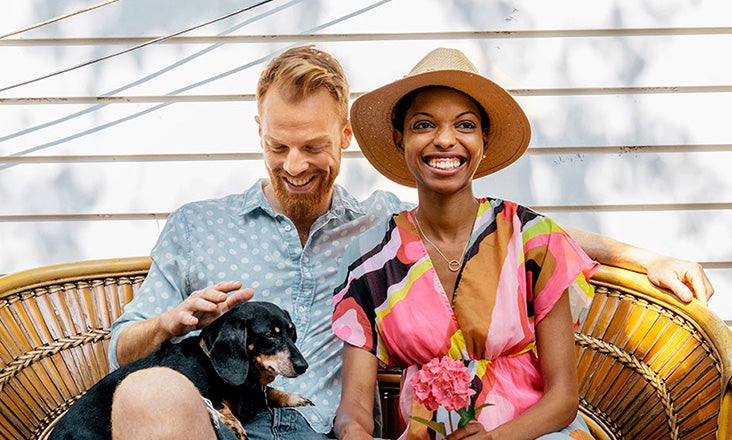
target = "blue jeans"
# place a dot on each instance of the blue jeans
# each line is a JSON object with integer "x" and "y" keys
{"x": 276, "y": 424}
{"x": 577, "y": 424}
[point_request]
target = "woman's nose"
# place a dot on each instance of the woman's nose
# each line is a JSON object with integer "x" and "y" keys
{"x": 445, "y": 137}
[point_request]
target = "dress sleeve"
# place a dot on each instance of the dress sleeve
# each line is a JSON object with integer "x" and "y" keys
{"x": 363, "y": 288}
{"x": 562, "y": 265}
{"x": 353, "y": 313}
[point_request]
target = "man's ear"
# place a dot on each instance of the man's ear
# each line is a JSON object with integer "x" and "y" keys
{"x": 259, "y": 125}
{"x": 228, "y": 353}
{"x": 347, "y": 135}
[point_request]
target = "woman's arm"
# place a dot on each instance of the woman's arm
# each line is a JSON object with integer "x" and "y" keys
{"x": 355, "y": 414}
{"x": 686, "y": 279}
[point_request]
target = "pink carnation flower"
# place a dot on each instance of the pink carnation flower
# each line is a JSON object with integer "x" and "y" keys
{"x": 443, "y": 382}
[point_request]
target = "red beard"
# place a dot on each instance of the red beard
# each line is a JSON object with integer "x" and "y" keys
{"x": 302, "y": 205}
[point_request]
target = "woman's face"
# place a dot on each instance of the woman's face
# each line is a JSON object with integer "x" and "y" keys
{"x": 443, "y": 139}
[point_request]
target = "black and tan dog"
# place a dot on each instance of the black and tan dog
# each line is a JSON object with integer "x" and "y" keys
{"x": 230, "y": 362}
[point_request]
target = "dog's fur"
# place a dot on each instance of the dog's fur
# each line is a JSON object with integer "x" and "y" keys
{"x": 230, "y": 362}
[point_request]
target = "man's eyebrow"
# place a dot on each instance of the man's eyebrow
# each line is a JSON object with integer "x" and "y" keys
{"x": 311, "y": 141}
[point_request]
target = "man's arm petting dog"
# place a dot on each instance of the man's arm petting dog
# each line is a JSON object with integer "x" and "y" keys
{"x": 230, "y": 362}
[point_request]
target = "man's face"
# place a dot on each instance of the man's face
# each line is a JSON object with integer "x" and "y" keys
{"x": 302, "y": 143}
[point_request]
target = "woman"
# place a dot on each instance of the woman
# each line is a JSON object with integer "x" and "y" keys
{"x": 484, "y": 281}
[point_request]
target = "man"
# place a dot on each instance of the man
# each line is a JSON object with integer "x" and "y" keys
{"x": 282, "y": 238}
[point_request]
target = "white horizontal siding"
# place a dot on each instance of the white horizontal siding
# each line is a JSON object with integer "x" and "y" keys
{"x": 629, "y": 104}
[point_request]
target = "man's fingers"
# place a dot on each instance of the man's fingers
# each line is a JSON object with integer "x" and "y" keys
{"x": 216, "y": 293}
{"x": 701, "y": 285}
{"x": 188, "y": 320}
{"x": 239, "y": 297}
{"x": 228, "y": 286}
{"x": 681, "y": 290}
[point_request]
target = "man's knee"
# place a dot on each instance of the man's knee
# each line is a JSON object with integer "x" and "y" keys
{"x": 154, "y": 387}
{"x": 156, "y": 400}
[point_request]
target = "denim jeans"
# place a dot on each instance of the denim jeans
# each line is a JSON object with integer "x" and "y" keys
{"x": 276, "y": 424}
{"x": 578, "y": 423}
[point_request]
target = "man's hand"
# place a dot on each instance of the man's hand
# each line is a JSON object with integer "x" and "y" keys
{"x": 686, "y": 279}
{"x": 140, "y": 338}
{"x": 202, "y": 307}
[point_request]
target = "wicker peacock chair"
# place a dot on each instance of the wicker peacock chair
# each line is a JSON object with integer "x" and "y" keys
{"x": 650, "y": 367}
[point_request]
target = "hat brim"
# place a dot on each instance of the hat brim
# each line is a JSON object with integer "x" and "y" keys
{"x": 508, "y": 135}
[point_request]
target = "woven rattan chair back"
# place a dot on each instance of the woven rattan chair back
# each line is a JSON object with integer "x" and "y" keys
{"x": 650, "y": 368}
{"x": 54, "y": 331}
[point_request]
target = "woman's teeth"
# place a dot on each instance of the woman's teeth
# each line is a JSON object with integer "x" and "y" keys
{"x": 444, "y": 163}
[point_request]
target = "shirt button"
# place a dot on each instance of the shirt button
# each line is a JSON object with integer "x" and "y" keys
{"x": 301, "y": 309}
{"x": 288, "y": 228}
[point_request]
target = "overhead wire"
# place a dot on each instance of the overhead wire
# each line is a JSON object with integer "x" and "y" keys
{"x": 136, "y": 47}
{"x": 137, "y": 82}
{"x": 59, "y": 18}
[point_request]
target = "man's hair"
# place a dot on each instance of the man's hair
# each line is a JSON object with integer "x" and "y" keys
{"x": 302, "y": 70}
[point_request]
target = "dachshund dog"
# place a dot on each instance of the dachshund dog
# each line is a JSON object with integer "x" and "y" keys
{"x": 230, "y": 362}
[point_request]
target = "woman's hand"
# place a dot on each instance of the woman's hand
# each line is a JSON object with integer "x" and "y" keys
{"x": 357, "y": 433}
{"x": 355, "y": 417}
{"x": 473, "y": 431}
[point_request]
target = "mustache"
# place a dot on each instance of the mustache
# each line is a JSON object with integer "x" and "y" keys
{"x": 282, "y": 174}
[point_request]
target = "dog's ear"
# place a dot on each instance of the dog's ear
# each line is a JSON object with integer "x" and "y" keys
{"x": 228, "y": 352}
{"x": 291, "y": 326}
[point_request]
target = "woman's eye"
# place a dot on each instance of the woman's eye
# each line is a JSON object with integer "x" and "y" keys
{"x": 421, "y": 125}
{"x": 466, "y": 125}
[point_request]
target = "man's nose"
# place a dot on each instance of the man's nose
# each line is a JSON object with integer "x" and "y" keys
{"x": 295, "y": 162}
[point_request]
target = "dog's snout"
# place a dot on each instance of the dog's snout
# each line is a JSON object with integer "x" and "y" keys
{"x": 299, "y": 364}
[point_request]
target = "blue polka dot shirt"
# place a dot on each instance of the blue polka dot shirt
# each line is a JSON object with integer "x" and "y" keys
{"x": 241, "y": 238}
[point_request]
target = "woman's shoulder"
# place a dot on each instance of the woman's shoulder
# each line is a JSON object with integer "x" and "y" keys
{"x": 526, "y": 215}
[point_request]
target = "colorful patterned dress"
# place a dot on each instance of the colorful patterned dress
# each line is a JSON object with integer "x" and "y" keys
{"x": 516, "y": 268}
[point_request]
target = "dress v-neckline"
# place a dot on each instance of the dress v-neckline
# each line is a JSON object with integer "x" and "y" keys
{"x": 450, "y": 300}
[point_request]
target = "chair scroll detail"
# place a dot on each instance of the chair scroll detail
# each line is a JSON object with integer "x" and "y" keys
{"x": 54, "y": 331}
{"x": 649, "y": 366}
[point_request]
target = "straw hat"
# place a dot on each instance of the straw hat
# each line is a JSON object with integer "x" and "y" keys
{"x": 371, "y": 114}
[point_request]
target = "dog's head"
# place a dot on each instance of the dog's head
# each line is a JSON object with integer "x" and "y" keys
{"x": 253, "y": 338}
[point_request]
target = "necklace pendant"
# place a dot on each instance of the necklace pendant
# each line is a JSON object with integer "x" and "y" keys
{"x": 453, "y": 265}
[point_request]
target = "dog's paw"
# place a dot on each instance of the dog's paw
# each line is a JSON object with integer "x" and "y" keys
{"x": 231, "y": 422}
{"x": 298, "y": 400}
{"x": 281, "y": 399}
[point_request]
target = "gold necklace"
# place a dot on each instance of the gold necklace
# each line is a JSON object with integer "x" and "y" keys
{"x": 453, "y": 265}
